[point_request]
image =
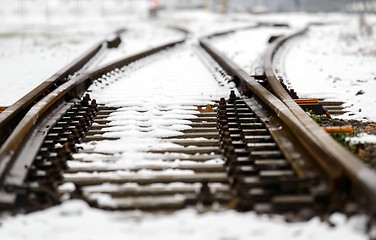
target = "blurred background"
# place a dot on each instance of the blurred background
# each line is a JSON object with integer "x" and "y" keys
{"x": 129, "y": 7}
{"x": 302, "y": 5}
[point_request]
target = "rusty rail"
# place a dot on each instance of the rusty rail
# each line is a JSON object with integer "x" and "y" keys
{"x": 342, "y": 169}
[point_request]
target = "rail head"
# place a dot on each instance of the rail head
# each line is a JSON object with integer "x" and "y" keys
{"x": 14, "y": 113}
{"x": 73, "y": 88}
{"x": 127, "y": 60}
{"x": 247, "y": 84}
{"x": 336, "y": 161}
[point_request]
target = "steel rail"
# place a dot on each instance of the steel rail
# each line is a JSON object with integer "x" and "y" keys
{"x": 248, "y": 85}
{"x": 343, "y": 170}
{"x": 361, "y": 177}
{"x": 10, "y": 117}
{"x": 13, "y": 169}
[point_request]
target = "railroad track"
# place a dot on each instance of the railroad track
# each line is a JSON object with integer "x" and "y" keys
{"x": 139, "y": 141}
{"x": 342, "y": 170}
{"x": 352, "y": 174}
{"x": 12, "y": 115}
{"x": 275, "y": 54}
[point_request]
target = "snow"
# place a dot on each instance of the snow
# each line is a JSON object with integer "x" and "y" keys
{"x": 151, "y": 106}
{"x": 165, "y": 110}
{"x": 185, "y": 224}
{"x": 53, "y": 48}
{"x": 250, "y": 46}
{"x": 141, "y": 36}
{"x": 161, "y": 85}
{"x": 362, "y": 138}
{"x": 45, "y": 40}
{"x": 310, "y": 62}
{"x": 340, "y": 58}
{"x": 200, "y": 23}
{"x": 333, "y": 62}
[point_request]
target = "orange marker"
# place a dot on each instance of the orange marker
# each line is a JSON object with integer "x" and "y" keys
{"x": 342, "y": 129}
{"x": 307, "y": 101}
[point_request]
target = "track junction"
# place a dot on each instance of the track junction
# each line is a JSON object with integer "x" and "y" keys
{"x": 140, "y": 134}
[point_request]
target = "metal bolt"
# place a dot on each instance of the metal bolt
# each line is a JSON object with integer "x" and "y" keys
{"x": 71, "y": 144}
{"x": 222, "y": 104}
{"x": 232, "y": 98}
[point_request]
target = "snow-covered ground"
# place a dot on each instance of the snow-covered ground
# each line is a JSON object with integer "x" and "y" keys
{"x": 341, "y": 57}
{"x": 74, "y": 220}
{"x": 141, "y": 36}
{"x": 247, "y": 47}
{"x": 45, "y": 33}
{"x": 43, "y": 37}
{"x": 151, "y": 106}
{"x": 200, "y": 23}
{"x": 38, "y": 38}
{"x": 29, "y": 56}
{"x": 334, "y": 61}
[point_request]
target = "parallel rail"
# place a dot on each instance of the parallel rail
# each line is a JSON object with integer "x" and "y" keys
{"x": 331, "y": 156}
{"x": 342, "y": 170}
{"x": 338, "y": 175}
{"x": 16, "y": 160}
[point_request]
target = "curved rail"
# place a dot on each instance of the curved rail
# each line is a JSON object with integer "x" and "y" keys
{"x": 360, "y": 176}
{"x": 13, "y": 168}
{"x": 14, "y": 113}
{"x": 342, "y": 169}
